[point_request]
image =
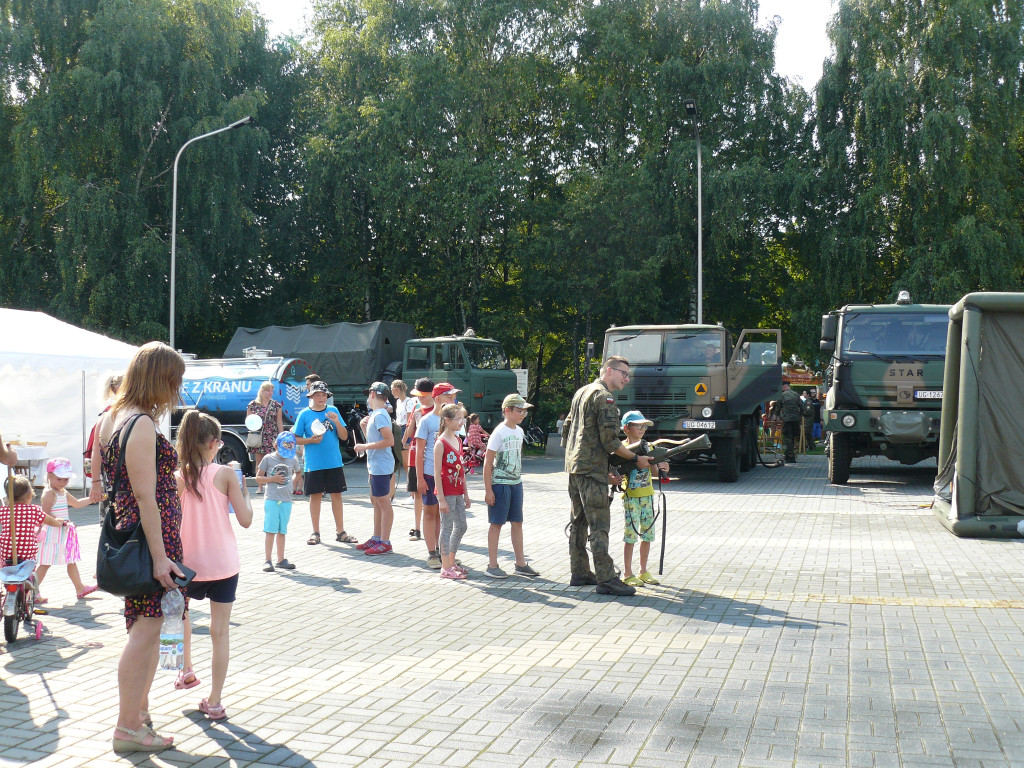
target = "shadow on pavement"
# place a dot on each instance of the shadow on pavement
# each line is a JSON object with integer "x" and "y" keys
{"x": 27, "y": 656}
{"x": 244, "y": 746}
{"x": 339, "y": 584}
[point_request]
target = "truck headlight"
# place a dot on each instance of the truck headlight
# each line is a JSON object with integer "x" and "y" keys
{"x": 849, "y": 420}
{"x": 706, "y": 412}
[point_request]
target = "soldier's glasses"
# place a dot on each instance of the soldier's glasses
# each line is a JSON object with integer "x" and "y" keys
{"x": 625, "y": 374}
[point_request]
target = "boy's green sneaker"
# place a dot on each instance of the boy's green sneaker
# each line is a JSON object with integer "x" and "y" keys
{"x": 633, "y": 581}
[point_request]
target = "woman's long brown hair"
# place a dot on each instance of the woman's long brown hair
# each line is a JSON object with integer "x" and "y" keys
{"x": 194, "y": 433}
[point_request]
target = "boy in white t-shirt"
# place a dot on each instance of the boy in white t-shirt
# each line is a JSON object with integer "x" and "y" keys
{"x": 503, "y": 487}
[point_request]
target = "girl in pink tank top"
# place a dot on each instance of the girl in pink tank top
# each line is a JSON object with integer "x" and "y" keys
{"x": 208, "y": 542}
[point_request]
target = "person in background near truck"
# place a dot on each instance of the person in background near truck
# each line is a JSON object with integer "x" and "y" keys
{"x": 790, "y": 410}
{"x": 590, "y": 435}
{"x": 426, "y": 433}
{"x": 268, "y": 409}
{"x": 206, "y": 489}
{"x": 275, "y": 473}
{"x": 503, "y": 486}
{"x": 380, "y": 465}
{"x": 815, "y": 415}
{"x": 320, "y": 428}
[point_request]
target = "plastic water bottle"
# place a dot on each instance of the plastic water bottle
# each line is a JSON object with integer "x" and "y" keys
{"x": 172, "y": 632}
{"x": 241, "y": 481}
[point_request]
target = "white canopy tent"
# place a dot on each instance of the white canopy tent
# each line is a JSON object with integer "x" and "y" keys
{"x": 51, "y": 381}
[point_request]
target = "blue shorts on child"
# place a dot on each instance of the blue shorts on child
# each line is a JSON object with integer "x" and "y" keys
{"x": 276, "y": 515}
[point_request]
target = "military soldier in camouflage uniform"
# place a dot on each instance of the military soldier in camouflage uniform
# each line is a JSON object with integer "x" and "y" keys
{"x": 590, "y": 435}
{"x": 790, "y": 409}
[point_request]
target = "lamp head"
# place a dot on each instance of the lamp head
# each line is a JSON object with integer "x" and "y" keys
{"x": 691, "y": 107}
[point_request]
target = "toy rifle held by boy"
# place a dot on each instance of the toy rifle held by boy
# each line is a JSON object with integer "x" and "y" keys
{"x": 662, "y": 450}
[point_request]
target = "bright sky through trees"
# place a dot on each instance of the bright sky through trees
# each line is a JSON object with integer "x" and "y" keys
{"x": 802, "y": 42}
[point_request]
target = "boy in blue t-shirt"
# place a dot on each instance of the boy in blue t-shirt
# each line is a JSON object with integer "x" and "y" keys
{"x": 320, "y": 429}
{"x": 380, "y": 464}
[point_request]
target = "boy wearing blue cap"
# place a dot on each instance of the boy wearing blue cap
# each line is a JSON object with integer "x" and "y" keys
{"x": 275, "y": 475}
{"x": 638, "y": 503}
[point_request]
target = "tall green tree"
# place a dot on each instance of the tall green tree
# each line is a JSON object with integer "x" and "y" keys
{"x": 920, "y": 132}
{"x": 104, "y": 93}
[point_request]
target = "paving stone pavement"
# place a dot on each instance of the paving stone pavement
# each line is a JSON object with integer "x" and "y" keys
{"x": 797, "y": 624}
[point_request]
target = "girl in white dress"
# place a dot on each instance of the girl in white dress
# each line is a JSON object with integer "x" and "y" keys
{"x": 59, "y": 546}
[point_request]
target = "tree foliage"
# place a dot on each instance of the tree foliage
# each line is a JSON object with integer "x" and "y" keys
{"x": 524, "y": 168}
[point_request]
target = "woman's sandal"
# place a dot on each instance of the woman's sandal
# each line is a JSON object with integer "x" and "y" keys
{"x": 346, "y": 538}
{"x": 314, "y": 539}
{"x": 212, "y": 711}
{"x": 183, "y": 682}
{"x": 137, "y": 741}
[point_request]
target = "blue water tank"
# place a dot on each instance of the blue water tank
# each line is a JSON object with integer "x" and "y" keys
{"x": 224, "y": 387}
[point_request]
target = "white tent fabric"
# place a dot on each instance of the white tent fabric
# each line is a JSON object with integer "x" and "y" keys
{"x": 51, "y": 381}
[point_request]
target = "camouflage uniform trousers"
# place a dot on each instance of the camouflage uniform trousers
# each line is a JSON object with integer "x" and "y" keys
{"x": 590, "y": 511}
{"x": 790, "y": 433}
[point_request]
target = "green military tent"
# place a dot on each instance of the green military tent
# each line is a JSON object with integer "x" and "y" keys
{"x": 979, "y": 490}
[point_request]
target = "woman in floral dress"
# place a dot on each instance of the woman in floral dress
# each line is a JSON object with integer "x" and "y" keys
{"x": 269, "y": 410}
{"x": 146, "y": 490}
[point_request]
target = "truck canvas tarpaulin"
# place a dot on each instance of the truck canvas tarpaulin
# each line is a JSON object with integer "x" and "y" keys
{"x": 979, "y": 490}
{"x": 345, "y": 355}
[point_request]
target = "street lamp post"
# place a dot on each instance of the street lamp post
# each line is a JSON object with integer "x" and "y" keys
{"x": 691, "y": 110}
{"x": 174, "y": 203}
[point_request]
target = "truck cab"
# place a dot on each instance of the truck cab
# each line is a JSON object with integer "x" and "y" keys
{"x": 477, "y": 366}
{"x": 694, "y": 379}
{"x": 884, "y": 382}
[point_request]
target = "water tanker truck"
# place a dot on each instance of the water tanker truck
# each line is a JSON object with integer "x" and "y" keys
{"x": 224, "y": 387}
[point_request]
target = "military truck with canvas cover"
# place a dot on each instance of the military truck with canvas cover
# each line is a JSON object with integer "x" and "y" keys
{"x": 692, "y": 379}
{"x": 884, "y": 382}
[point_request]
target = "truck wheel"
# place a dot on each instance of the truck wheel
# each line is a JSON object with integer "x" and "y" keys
{"x": 234, "y": 450}
{"x": 727, "y": 454}
{"x": 839, "y": 459}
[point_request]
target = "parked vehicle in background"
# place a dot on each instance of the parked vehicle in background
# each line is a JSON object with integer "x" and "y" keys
{"x": 477, "y": 366}
{"x": 884, "y": 382}
{"x": 692, "y": 379}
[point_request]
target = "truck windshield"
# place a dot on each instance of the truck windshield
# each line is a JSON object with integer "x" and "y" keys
{"x": 490, "y": 357}
{"x": 897, "y": 334}
{"x": 693, "y": 348}
{"x": 638, "y": 348}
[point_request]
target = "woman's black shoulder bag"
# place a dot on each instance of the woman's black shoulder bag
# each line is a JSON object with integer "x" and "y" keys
{"x": 124, "y": 564}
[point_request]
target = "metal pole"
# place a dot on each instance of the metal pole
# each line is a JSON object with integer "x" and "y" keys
{"x": 700, "y": 233}
{"x": 174, "y": 205}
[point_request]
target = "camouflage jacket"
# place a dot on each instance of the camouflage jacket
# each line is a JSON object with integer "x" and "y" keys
{"x": 591, "y": 431}
{"x": 790, "y": 406}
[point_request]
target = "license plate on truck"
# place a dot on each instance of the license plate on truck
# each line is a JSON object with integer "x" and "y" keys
{"x": 928, "y": 394}
{"x": 698, "y": 425}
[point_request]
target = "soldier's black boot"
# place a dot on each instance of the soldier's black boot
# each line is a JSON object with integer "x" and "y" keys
{"x": 583, "y": 580}
{"x": 615, "y": 586}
